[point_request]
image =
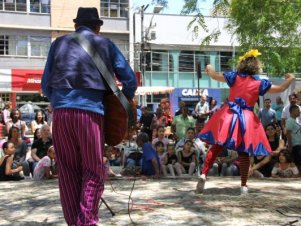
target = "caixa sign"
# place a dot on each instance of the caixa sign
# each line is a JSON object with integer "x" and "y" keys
{"x": 194, "y": 92}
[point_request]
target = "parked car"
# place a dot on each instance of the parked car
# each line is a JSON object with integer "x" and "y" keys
{"x": 28, "y": 112}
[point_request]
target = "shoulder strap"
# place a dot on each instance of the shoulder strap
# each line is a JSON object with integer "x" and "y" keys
{"x": 106, "y": 74}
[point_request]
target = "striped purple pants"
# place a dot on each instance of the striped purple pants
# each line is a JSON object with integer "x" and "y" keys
{"x": 78, "y": 142}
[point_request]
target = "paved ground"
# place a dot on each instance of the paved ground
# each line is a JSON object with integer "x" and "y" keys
{"x": 162, "y": 202}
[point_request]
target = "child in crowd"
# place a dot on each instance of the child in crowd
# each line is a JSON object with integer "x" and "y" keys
{"x": 187, "y": 158}
{"x": 285, "y": 167}
{"x": 46, "y": 168}
{"x": 6, "y": 164}
{"x": 160, "y": 137}
{"x": 170, "y": 162}
{"x": 106, "y": 161}
{"x": 159, "y": 147}
{"x": 150, "y": 159}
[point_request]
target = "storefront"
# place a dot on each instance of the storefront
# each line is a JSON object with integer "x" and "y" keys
{"x": 191, "y": 96}
{"x": 21, "y": 85}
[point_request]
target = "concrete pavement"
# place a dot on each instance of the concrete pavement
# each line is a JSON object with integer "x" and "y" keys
{"x": 162, "y": 202}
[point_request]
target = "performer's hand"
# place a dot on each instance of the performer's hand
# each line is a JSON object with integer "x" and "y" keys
{"x": 208, "y": 68}
{"x": 290, "y": 76}
{"x": 251, "y": 171}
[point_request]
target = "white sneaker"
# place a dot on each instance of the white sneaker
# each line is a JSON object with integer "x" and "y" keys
{"x": 200, "y": 185}
{"x": 244, "y": 190}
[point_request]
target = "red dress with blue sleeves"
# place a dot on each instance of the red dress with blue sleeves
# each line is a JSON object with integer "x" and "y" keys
{"x": 235, "y": 126}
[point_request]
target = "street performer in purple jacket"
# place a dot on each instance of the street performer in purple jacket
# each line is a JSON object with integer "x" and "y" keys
{"x": 76, "y": 90}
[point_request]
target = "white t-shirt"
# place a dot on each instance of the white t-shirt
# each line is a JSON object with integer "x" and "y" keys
{"x": 39, "y": 170}
{"x": 286, "y": 113}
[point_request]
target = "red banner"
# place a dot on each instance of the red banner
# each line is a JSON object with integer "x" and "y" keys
{"x": 26, "y": 80}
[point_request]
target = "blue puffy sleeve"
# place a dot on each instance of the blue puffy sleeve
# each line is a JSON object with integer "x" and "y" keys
{"x": 265, "y": 85}
{"x": 230, "y": 77}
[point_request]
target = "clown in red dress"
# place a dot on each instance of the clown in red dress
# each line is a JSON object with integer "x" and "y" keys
{"x": 235, "y": 126}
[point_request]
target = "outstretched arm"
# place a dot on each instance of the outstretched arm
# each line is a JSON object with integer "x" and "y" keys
{"x": 289, "y": 78}
{"x": 213, "y": 74}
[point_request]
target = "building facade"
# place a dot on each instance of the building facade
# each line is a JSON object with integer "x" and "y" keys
{"x": 27, "y": 28}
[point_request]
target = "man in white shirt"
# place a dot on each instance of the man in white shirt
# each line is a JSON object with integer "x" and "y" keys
{"x": 286, "y": 114}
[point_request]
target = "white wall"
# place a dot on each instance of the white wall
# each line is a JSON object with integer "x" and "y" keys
{"x": 173, "y": 30}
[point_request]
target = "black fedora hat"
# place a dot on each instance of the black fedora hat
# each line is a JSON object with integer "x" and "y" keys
{"x": 87, "y": 15}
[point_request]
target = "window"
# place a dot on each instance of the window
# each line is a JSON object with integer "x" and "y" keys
{"x": 114, "y": 8}
{"x": 14, "y": 45}
{"x": 159, "y": 61}
{"x": 1, "y": 4}
{"x": 186, "y": 61}
{"x": 40, "y": 6}
{"x": 39, "y": 46}
{"x": 14, "y": 5}
{"x": 225, "y": 58}
{"x": 3, "y": 45}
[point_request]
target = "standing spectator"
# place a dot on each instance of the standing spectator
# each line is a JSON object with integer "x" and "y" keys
{"x": 267, "y": 115}
{"x": 201, "y": 110}
{"x": 146, "y": 121}
{"x": 286, "y": 113}
{"x": 278, "y": 107}
{"x": 213, "y": 107}
{"x": 181, "y": 105}
{"x": 38, "y": 121}
{"x": 76, "y": 90}
{"x": 181, "y": 123}
{"x": 150, "y": 158}
{"x": 6, "y": 112}
{"x": 293, "y": 133}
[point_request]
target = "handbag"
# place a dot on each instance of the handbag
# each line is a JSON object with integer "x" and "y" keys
{"x": 120, "y": 112}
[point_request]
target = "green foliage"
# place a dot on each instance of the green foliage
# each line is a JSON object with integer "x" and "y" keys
{"x": 272, "y": 26}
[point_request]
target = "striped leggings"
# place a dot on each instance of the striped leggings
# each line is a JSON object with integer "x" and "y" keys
{"x": 244, "y": 162}
{"x": 78, "y": 142}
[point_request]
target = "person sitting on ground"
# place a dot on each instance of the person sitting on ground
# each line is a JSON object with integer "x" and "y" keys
{"x": 46, "y": 167}
{"x": 106, "y": 160}
{"x": 224, "y": 164}
{"x": 260, "y": 166}
{"x": 40, "y": 147}
{"x": 21, "y": 150}
{"x": 187, "y": 158}
{"x": 285, "y": 168}
{"x": 160, "y": 149}
{"x": 198, "y": 145}
{"x": 38, "y": 121}
{"x": 160, "y": 136}
{"x": 170, "y": 162}
{"x": 7, "y": 172}
{"x": 276, "y": 143}
{"x": 37, "y": 134}
{"x": 150, "y": 159}
{"x": 16, "y": 121}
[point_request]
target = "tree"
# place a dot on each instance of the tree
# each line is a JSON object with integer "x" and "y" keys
{"x": 272, "y": 26}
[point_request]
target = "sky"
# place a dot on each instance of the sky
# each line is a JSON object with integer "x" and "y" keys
{"x": 174, "y": 6}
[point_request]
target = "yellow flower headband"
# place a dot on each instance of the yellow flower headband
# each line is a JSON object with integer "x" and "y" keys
{"x": 250, "y": 53}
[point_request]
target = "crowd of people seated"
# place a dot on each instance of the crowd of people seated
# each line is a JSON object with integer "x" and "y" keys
{"x": 154, "y": 152}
